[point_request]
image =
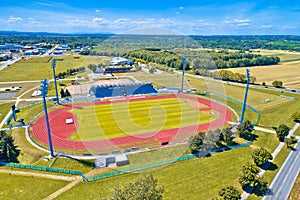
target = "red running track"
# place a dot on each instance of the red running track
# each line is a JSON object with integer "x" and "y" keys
{"x": 60, "y": 131}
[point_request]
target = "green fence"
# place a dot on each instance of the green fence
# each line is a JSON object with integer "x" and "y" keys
{"x": 135, "y": 169}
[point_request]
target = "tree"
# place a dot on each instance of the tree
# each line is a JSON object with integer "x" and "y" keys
{"x": 296, "y": 116}
{"x": 62, "y": 93}
{"x": 282, "y": 131}
{"x": 277, "y": 84}
{"x": 8, "y": 151}
{"x": 227, "y": 136}
{"x": 260, "y": 187}
{"x": 67, "y": 93}
{"x": 249, "y": 174}
{"x": 249, "y": 177}
{"x": 261, "y": 156}
{"x": 196, "y": 142}
{"x": 288, "y": 142}
{"x": 152, "y": 70}
{"x": 245, "y": 130}
{"x": 145, "y": 187}
{"x": 230, "y": 193}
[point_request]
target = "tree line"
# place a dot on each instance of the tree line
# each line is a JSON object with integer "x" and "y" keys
{"x": 70, "y": 72}
{"x": 224, "y": 75}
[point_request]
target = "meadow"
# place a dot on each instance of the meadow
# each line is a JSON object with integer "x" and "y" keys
{"x": 40, "y": 68}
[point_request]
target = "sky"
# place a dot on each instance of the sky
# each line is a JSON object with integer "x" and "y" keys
{"x": 188, "y": 17}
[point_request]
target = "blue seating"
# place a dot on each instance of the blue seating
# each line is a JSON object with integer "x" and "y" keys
{"x": 103, "y": 91}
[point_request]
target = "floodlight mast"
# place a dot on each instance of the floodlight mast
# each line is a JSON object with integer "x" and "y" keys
{"x": 54, "y": 77}
{"x": 183, "y": 59}
{"x": 245, "y": 96}
{"x": 44, "y": 92}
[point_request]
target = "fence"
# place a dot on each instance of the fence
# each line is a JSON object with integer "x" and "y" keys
{"x": 102, "y": 176}
{"x": 237, "y": 101}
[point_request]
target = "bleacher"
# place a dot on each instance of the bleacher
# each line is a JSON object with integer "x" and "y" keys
{"x": 122, "y": 89}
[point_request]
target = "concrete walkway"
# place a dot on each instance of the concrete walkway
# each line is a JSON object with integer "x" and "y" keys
{"x": 49, "y": 176}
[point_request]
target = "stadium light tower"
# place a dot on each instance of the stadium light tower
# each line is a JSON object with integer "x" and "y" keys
{"x": 54, "y": 77}
{"x": 183, "y": 59}
{"x": 245, "y": 96}
{"x": 44, "y": 92}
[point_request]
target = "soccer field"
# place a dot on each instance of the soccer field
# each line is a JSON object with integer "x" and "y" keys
{"x": 130, "y": 118}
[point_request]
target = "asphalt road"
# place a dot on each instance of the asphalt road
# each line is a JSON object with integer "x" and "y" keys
{"x": 285, "y": 178}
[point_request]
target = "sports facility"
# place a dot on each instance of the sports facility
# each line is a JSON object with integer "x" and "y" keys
{"x": 128, "y": 122}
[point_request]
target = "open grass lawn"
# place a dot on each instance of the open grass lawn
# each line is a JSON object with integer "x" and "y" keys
{"x": 268, "y": 141}
{"x": 192, "y": 179}
{"x": 40, "y": 67}
{"x": 165, "y": 79}
{"x": 275, "y": 116}
{"x": 122, "y": 119}
{"x": 4, "y": 109}
{"x": 295, "y": 193}
{"x": 27, "y": 188}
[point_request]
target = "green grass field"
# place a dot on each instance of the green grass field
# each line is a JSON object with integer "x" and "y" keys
{"x": 122, "y": 119}
{"x": 40, "y": 68}
{"x": 27, "y": 187}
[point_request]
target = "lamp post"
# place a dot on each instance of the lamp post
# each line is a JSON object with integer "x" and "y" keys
{"x": 44, "y": 92}
{"x": 245, "y": 96}
{"x": 183, "y": 59}
{"x": 54, "y": 74}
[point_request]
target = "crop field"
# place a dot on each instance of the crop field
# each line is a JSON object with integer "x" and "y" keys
{"x": 287, "y": 72}
{"x": 130, "y": 121}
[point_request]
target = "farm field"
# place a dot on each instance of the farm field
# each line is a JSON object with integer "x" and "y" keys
{"x": 287, "y": 72}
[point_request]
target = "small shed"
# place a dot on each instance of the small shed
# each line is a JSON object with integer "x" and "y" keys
{"x": 122, "y": 160}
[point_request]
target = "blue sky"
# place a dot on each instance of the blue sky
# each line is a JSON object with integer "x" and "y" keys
{"x": 210, "y": 17}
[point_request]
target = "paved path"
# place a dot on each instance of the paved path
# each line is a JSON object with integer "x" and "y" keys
{"x": 245, "y": 195}
{"x": 64, "y": 189}
{"x": 49, "y": 176}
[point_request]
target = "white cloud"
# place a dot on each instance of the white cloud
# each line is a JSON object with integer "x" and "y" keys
{"x": 14, "y": 19}
{"x": 30, "y": 19}
{"x": 121, "y": 20}
{"x": 177, "y": 13}
{"x": 181, "y": 8}
{"x": 237, "y": 21}
{"x": 267, "y": 26}
{"x": 79, "y": 22}
{"x": 99, "y": 21}
{"x": 244, "y": 24}
{"x": 97, "y": 11}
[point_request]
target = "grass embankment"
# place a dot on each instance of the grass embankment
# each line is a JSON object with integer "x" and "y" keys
{"x": 199, "y": 178}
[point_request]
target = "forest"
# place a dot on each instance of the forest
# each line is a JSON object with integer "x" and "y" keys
{"x": 202, "y": 59}
{"x": 116, "y": 45}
